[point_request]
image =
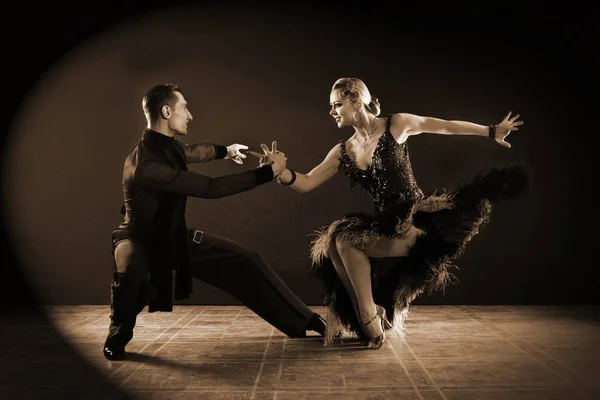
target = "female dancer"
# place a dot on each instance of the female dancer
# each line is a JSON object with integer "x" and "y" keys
{"x": 421, "y": 234}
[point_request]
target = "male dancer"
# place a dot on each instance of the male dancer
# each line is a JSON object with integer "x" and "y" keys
{"x": 153, "y": 238}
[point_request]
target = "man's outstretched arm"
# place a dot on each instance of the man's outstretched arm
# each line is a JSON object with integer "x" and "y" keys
{"x": 203, "y": 152}
{"x": 161, "y": 176}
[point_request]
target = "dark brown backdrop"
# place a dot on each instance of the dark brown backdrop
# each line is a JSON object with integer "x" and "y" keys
{"x": 255, "y": 75}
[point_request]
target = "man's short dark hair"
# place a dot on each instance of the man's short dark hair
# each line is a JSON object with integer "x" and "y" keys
{"x": 157, "y": 97}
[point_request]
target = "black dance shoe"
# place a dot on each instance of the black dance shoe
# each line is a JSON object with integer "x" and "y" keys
{"x": 113, "y": 354}
{"x": 317, "y": 324}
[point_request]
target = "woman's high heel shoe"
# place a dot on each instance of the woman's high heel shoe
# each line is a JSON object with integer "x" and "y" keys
{"x": 376, "y": 342}
{"x": 387, "y": 325}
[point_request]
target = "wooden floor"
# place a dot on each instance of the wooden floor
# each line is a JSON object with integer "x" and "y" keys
{"x": 227, "y": 352}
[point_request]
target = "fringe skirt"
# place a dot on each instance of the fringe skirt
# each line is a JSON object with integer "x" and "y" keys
{"x": 449, "y": 220}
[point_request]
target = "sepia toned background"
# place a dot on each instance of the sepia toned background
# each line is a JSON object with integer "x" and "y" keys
{"x": 256, "y": 75}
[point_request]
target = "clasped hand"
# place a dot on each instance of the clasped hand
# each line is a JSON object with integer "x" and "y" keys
{"x": 273, "y": 157}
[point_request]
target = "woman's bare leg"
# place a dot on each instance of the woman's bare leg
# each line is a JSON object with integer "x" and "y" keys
{"x": 354, "y": 269}
{"x": 358, "y": 285}
{"x": 340, "y": 268}
{"x": 394, "y": 247}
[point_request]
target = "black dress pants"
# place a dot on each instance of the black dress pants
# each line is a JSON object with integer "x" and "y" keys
{"x": 235, "y": 269}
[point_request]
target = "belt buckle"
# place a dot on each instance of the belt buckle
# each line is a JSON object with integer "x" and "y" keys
{"x": 197, "y": 236}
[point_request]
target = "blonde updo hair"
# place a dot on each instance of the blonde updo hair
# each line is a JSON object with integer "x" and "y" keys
{"x": 356, "y": 90}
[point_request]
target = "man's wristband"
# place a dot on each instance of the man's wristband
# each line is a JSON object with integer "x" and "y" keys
{"x": 220, "y": 151}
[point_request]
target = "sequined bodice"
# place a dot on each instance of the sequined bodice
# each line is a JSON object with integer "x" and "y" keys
{"x": 389, "y": 178}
